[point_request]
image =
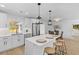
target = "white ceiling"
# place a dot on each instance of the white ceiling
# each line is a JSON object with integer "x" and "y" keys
{"x": 60, "y": 10}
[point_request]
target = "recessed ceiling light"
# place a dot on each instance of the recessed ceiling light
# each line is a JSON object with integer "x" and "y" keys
{"x": 2, "y": 5}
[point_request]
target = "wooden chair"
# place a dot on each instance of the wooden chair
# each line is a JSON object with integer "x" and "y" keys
{"x": 61, "y": 46}
{"x": 61, "y": 36}
{"x": 50, "y": 50}
{"x": 61, "y": 39}
{"x": 51, "y": 32}
{"x": 56, "y": 50}
{"x": 56, "y": 32}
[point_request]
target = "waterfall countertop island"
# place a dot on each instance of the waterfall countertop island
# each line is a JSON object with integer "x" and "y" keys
{"x": 35, "y": 45}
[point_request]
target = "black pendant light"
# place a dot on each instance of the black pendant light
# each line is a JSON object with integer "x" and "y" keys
{"x": 36, "y": 26}
{"x": 39, "y": 17}
{"x": 50, "y": 21}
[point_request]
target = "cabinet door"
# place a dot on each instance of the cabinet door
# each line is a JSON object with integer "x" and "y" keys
{"x": 17, "y": 40}
{"x": 14, "y": 40}
{"x": 2, "y": 45}
{"x": 27, "y": 35}
{"x": 8, "y": 43}
{"x": 20, "y": 40}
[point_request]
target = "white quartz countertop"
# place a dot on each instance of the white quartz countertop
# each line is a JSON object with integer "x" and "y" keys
{"x": 5, "y": 35}
{"x": 46, "y": 37}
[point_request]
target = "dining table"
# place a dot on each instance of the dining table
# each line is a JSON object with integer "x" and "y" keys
{"x": 35, "y": 45}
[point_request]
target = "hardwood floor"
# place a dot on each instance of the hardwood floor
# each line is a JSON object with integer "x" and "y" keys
{"x": 72, "y": 46}
{"x": 15, "y": 51}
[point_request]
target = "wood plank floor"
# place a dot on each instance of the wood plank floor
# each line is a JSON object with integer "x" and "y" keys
{"x": 72, "y": 46}
{"x": 15, "y": 51}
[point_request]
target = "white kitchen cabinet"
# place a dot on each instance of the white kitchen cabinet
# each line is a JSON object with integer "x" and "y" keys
{"x": 27, "y": 35}
{"x": 10, "y": 42}
{"x": 5, "y": 43}
{"x": 17, "y": 40}
{"x": 20, "y": 39}
{"x": 3, "y": 17}
{"x": 2, "y": 44}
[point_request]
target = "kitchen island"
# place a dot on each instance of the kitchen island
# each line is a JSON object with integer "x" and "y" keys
{"x": 35, "y": 45}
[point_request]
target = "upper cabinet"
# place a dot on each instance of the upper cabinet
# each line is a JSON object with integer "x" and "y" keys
{"x": 3, "y": 24}
{"x": 12, "y": 24}
{"x": 3, "y": 20}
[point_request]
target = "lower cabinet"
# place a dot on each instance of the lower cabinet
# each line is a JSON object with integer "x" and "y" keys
{"x": 10, "y": 42}
{"x": 27, "y": 35}
{"x": 2, "y": 45}
{"x": 5, "y": 43}
{"x": 17, "y": 40}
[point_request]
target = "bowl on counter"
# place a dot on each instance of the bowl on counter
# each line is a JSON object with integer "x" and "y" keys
{"x": 41, "y": 40}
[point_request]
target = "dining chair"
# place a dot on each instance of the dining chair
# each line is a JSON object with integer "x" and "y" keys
{"x": 56, "y": 50}
{"x": 50, "y": 50}
{"x": 51, "y": 32}
{"x": 61, "y": 36}
{"x": 61, "y": 39}
{"x": 61, "y": 46}
{"x": 56, "y": 32}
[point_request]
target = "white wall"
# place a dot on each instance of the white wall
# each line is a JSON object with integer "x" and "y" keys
{"x": 67, "y": 27}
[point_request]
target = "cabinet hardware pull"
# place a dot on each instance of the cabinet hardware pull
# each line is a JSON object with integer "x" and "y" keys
{"x": 4, "y": 43}
{"x": 18, "y": 39}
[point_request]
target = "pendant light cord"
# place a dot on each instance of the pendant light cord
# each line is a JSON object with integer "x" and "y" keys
{"x": 39, "y": 10}
{"x": 49, "y": 14}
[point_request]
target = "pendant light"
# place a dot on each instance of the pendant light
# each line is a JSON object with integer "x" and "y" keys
{"x": 50, "y": 21}
{"x": 39, "y": 17}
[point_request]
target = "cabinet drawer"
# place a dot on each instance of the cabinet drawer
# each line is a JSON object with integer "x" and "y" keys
{"x": 5, "y": 38}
